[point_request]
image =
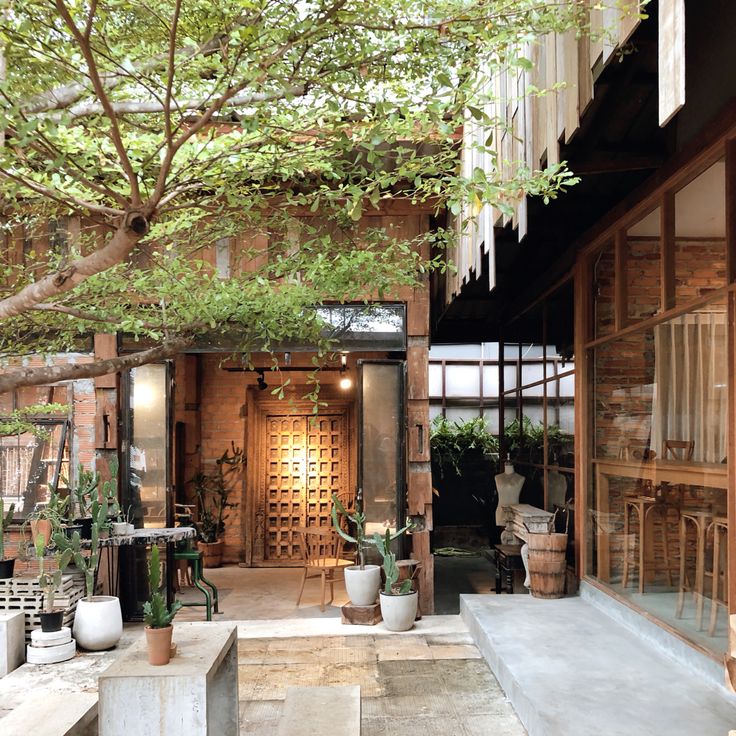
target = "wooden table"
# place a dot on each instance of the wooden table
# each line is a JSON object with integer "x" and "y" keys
{"x": 676, "y": 472}
{"x": 508, "y": 559}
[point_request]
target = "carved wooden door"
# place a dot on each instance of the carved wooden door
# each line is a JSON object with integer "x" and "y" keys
{"x": 306, "y": 462}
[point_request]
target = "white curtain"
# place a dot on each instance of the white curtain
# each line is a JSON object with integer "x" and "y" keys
{"x": 690, "y": 378}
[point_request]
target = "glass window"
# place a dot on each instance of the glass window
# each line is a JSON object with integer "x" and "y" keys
{"x": 455, "y": 351}
{"x": 603, "y": 291}
{"x": 660, "y": 418}
{"x": 700, "y": 235}
{"x": 643, "y": 267}
{"x": 435, "y": 379}
{"x": 490, "y": 380}
{"x": 462, "y": 380}
{"x": 461, "y": 413}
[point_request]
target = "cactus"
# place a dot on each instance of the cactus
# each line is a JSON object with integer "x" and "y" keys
{"x": 5, "y": 521}
{"x": 49, "y": 581}
{"x": 156, "y": 614}
{"x": 391, "y": 571}
{"x": 86, "y": 563}
{"x": 358, "y": 518}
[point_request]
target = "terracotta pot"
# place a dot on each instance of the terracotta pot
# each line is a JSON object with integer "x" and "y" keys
{"x": 211, "y": 553}
{"x": 42, "y": 527}
{"x": 159, "y": 644}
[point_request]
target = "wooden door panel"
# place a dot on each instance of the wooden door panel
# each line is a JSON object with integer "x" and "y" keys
{"x": 306, "y": 462}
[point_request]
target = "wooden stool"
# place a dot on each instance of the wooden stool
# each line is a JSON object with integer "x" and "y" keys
{"x": 409, "y": 570}
{"x": 646, "y": 508}
{"x": 700, "y": 520}
{"x": 508, "y": 559}
{"x": 719, "y": 525}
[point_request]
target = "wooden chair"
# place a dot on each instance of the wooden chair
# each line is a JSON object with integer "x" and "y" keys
{"x": 322, "y": 550}
{"x": 678, "y": 449}
{"x": 719, "y": 572}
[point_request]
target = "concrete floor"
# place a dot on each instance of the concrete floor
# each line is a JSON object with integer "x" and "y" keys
{"x": 570, "y": 669}
{"x": 433, "y": 684}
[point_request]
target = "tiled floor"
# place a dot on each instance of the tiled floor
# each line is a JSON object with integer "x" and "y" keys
{"x": 429, "y": 685}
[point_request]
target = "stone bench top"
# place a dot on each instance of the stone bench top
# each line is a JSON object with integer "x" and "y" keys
{"x": 51, "y": 714}
{"x": 201, "y": 646}
{"x": 316, "y": 711}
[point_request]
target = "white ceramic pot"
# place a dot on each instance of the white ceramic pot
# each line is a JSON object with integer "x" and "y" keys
{"x": 362, "y": 585}
{"x": 399, "y": 611}
{"x": 119, "y": 528}
{"x": 98, "y": 622}
{"x": 130, "y": 528}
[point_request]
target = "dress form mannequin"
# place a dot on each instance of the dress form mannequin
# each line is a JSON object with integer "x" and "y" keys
{"x": 509, "y": 485}
{"x": 556, "y": 489}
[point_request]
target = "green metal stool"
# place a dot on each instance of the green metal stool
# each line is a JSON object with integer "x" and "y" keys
{"x": 194, "y": 557}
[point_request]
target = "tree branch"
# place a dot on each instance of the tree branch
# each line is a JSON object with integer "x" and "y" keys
{"x": 13, "y": 379}
{"x": 129, "y": 232}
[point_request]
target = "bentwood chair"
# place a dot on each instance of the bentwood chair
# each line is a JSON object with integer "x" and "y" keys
{"x": 322, "y": 550}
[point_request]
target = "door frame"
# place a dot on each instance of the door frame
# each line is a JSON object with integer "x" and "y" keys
{"x": 258, "y": 408}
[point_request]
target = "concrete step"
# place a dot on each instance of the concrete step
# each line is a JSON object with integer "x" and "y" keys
{"x": 568, "y": 668}
{"x": 53, "y": 714}
{"x": 316, "y": 711}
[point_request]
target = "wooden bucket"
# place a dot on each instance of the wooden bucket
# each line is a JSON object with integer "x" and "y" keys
{"x": 547, "y": 564}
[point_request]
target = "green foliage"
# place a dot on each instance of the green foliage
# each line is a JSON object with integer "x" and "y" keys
{"x": 449, "y": 441}
{"x": 526, "y": 433}
{"x": 6, "y": 520}
{"x": 172, "y": 127}
{"x": 212, "y": 492}
{"x": 86, "y": 562}
{"x": 156, "y": 613}
{"x": 22, "y": 421}
{"x": 87, "y": 483}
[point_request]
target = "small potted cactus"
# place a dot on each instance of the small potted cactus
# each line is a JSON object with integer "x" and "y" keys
{"x": 158, "y": 616}
{"x": 49, "y": 582}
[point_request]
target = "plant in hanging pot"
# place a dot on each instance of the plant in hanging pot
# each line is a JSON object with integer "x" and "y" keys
{"x": 6, "y": 519}
{"x": 398, "y": 600}
{"x": 98, "y": 621}
{"x": 362, "y": 581}
{"x": 158, "y": 616}
{"x": 49, "y": 582}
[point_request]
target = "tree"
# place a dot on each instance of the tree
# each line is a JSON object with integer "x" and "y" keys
{"x": 156, "y": 129}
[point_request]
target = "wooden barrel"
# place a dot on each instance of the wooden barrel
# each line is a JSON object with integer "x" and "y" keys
{"x": 547, "y": 564}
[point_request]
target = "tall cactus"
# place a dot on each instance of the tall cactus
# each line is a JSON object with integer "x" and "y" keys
{"x": 391, "y": 571}
{"x": 5, "y": 521}
{"x": 86, "y": 563}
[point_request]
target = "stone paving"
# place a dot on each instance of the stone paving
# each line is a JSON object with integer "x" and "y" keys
{"x": 434, "y": 685}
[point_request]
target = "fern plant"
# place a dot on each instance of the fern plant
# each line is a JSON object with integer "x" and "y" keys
{"x": 156, "y": 613}
{"x": 450, "y": 441}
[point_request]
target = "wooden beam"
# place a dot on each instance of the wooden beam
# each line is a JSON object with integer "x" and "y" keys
{"x": 730, "y": 195}
{"x": 667, "y": 251}
{"x": 106, "y": 347}
{"x": 583, "y": 320}
{"x": 731, "y": 454}
{"x": 620, "y": 302}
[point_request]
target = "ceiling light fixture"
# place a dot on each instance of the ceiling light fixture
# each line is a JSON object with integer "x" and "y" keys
{"x": 345, "y": 380}
{"x": 262, "y": 385}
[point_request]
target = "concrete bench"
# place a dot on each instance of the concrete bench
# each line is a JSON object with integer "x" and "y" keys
{"x": 53, "y": 714}
{"x": 195, "y": 694}
{"x": 316, "y": 711}
{"x": 12, "y": 641}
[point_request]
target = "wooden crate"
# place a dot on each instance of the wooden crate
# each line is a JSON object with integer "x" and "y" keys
{"x": 24, "y": 594}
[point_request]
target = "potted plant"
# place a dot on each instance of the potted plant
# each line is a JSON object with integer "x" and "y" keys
{"x": 81, "y": 504}
{"x": 6, "y": 566}
{"x": 212, "y": 492}
{"x": 158, "y": 616}
{"x": 98, "y": 621}
{"x": 49, "y": 582}
{"x": 362, "y": 581}
{"x": 398, "y": 600}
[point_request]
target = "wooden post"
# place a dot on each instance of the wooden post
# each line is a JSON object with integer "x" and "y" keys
{"x": 667, "y": 251}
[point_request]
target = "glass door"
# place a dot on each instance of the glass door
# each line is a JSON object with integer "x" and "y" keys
{"x": 381, "y": 443}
